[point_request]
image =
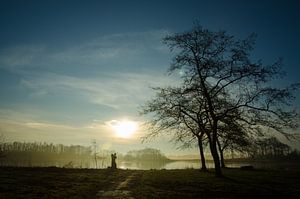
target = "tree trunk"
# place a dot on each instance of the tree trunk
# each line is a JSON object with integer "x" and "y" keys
{"x": 221, "y": 155}
{"x": 214, "y": 153}
{"x": 202, "y": 157}
{"x": 222, "y": 159}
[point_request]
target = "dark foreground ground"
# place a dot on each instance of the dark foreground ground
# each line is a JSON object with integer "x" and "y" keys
{"x": 190, "y": 183}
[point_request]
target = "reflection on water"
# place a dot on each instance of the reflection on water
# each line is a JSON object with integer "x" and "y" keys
{"x": 195, "y": 164}
{"x": 185, "y": 165}
{"x": 143, "y": 165}
{"x": 163, "y": 165}
{"x": 146, "y": 165}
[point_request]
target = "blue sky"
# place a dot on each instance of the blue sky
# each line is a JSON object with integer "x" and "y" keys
{"x": 67, "y": 68}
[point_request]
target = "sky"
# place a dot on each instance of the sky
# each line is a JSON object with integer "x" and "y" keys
{"x": 70, "y": 69}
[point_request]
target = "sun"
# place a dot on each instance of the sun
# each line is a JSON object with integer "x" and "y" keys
{"x": 124, "y": 129}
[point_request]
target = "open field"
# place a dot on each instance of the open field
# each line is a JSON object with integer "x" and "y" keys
{"x": 56, "y": 182}
{"x": 189, "y": 183}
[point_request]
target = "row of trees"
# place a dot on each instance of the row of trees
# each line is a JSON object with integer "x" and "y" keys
{"x": 268, "y": 147}
{"x": 147, "y": 154}
{"x": 48, "y": 154}
{"x": 224, "y": 100}
{"x": 44, "y": 154}
{"x": 45, "y": 147}
{"x": 59, "y": 155}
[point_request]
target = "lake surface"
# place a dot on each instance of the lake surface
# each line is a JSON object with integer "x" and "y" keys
{"x": 146, "y": 165}
{"x": 180, "y": 164}
{"x": 195, "y": 164}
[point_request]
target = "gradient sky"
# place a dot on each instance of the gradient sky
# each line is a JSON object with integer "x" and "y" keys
{"x": 70, "y": 68}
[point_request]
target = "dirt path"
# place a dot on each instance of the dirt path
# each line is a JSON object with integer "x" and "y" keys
{"x": 121, "y": 191}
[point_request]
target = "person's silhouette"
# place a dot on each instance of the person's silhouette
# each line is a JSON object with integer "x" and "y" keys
{"x": 113, "y": 161}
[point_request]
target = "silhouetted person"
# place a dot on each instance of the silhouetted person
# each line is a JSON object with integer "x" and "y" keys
{"x": 113, "y": 161}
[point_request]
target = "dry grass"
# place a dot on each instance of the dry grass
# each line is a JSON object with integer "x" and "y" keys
{"x": 189, "y": 183}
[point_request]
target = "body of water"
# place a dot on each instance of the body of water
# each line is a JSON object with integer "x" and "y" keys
{"x": 195, "y": 164}
{"x": 146, "y": 165}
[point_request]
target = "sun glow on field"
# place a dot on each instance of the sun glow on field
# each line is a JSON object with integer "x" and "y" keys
{"x": 124, "y": 129}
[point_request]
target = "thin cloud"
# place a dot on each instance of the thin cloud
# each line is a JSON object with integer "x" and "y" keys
{"x": 108, "y": 53}
{"x": 20, "y": 57}
{"x": 20, "y": 129}
{"x": 114, "y": 90}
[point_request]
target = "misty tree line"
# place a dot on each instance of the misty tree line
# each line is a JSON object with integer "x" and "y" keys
{"x": 225, "y": 100}
{"x": 44, "y": 154}
{"x": 45, "y": 148}
{"x": 147, "y": 154}
{"x": 262, "y": 148}
{"x": 48, "y": 154}
{"x": 268, "y": 147}
{"x": 147, "y": 158}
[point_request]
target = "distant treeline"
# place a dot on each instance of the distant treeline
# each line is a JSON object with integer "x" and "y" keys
{"x": 267, "y": 148}
{"x": 147, "y": 154}
{"x": 59, "y": 155}
{"x": 45, "y": 154}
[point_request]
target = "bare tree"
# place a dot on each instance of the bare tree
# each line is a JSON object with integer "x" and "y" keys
{"x": 174, "y": 113}
{"x": 2, "y": 148}
{"x": 95, "y": 152}
{"x": 233, "y": 137}
{"x": 217, "y": 67}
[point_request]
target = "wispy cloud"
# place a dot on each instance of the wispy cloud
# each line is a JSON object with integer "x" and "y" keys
{"x": 115, "y": 90}
{"x": 114, "y": 71}
{"x": 119, "y": 67}
{"x": 106, "y": 51}
{"x": 20, "y": 57}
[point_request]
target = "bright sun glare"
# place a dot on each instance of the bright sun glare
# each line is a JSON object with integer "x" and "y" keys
{"x": 125, "y": 129}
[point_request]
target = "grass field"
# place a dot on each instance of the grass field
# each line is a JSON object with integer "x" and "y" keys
{"x": 189, "y": 183}
{"x": 55, "y": 182}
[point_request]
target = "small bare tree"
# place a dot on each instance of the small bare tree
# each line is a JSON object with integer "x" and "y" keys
{"x": 2, "y": 149}
{"x": 174, "y": 113}
{"x": 95, "y": 151}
